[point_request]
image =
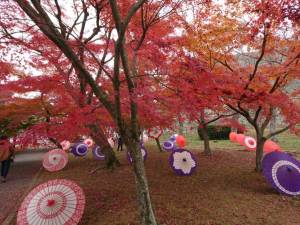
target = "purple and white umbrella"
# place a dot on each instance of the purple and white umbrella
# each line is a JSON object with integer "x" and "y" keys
{"x": 97, "y": 153}
{"x": 282, "y": 171}
{"x": 79, "y": 149}
{"x": 183, "y": 162}
{"x": 144, "y": 154}
{"x": 173, "y": 138}
{"x": 169, "y": 145}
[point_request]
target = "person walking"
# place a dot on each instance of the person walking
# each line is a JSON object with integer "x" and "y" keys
{"x": 120, "y": 144}
{"x": 6, "y": 156}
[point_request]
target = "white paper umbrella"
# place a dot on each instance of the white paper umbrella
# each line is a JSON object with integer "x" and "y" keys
{"x": 55, "y": 160}
{"x": 56, "y": 202}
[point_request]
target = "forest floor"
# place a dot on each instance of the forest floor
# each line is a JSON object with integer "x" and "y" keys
{"x": 224, "y": 190}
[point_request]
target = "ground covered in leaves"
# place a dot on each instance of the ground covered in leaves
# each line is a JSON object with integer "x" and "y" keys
{"x": 225, "y": 190}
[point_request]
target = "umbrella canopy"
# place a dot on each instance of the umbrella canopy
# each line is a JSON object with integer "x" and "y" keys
{"x": 55, "y": 160}
{"x": 240, "y": 139}
{"x": 79, "y": 149}
{"x": 232, "y": 136}
{"x": 89, "y": 142}
{"x": 271, "y": 146}
{"x": 169, "y": 145}
{"x": 183, "y": 162}
{"x": 155, "y": 132}
{"x": 65, "y": 145}
{"x": 250, "y": 143}
{"x": 282, "y": 171}
{"x": 97, "y": 153}
{"x": 144, "y": 154}
{"x": 56, "y": 202}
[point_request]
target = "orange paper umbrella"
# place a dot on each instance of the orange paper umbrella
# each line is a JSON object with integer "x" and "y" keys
{"x": 55, "y": 160}
{"x": 240, "y": 139}
{"x": 56, "y": 202}
{"x": 232, "y": 136}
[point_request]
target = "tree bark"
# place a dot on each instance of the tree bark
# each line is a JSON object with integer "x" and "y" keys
{"x": 145, "y": 207}
{"x": 204, "y": 133}
{"x": 259, "y": 151}
{"x": 100, "y": 139}
{"x": 158, "y": 144}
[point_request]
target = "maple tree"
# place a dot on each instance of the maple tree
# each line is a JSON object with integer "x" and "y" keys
{"x": 124, "y": 28}
{"x": 253, "y": 63}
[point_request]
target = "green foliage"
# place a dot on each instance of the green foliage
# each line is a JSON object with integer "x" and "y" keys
{"x": 9, "y": 129}
{"x": 216, "y": 132}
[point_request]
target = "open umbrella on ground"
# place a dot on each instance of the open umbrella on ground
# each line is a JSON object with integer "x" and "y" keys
{"x": 89, "y": 142}
{"x": 65, "y": 145}
{"x": 97, "y": 153}
{"x": 55, "y": 160}
{"x": 232, "y": 136}
{"x": 155, "y": 132}
{"x": 282, "y": 171}
{"x": 56, "y": 202}
{"x": 169, "y": 145}
{"x": 79, "y": 149}
{"x": 143, "y": 151}
{"x": 271, "y": 146}
{"x": 183, "y": 162}
{"x": 240, "y": 139}
{"x": 250, "y": 143}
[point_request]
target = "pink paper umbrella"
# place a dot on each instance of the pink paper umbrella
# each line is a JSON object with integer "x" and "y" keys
{"x": 65, "y": 145}
{"x": 56, "y": 202}
{"x": 250, "y": 143}
{"x": 89, "y": 142}
{"x": 55, "y": 160}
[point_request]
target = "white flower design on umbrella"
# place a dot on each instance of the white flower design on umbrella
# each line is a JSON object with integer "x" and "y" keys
{"x": 183, "y": 162}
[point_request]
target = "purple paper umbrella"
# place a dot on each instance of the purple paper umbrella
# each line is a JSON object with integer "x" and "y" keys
{"x": 79, "y": 149}
{"x": 282, "y": 171}
{"x": 169, "y": 145}
{"x": 173, "y": 138}
{"x": 97, "y": 153}
{"x": 183, "y": 162}
{"x": 144, "y": 154}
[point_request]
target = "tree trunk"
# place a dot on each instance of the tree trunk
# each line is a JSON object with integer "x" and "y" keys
{"x": 158, "y": 144}
{"x": 259, "y": 151}
{"x": 180, "y": 131}
{"x": 145, "y": 207}
{"x": 100, "y": 139}
{"x": 204, "y": 134}
{"x": 272, "y": 125}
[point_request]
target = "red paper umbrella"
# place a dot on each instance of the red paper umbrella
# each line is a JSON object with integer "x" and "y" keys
{"x": 180, "y": 141}
{"x": 55, "y": 160}
{"x": 56, "y": 202}
{"x": 240, "y": 139}
{"x": 89, "y": 142}
{"x": 232, "y": 136}
{"x": 271, "y": 146}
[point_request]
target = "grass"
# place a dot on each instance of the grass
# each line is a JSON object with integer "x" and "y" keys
{"x": 225, "y": 190}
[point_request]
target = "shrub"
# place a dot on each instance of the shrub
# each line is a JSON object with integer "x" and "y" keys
{"x": 216, "y": 132}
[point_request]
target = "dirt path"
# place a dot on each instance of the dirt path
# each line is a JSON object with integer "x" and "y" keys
{"x": 21, "y": 175}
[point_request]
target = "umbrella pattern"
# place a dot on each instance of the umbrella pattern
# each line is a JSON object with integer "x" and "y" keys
{"x": 56, "y": 202}
{"x": 55, "y": 160}
{"x": 183, "y": 162}
{"x": 282, "y": 171}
